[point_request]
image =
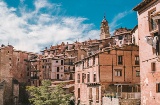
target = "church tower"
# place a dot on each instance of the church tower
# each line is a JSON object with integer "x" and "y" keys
{"x": 104, "y": 29}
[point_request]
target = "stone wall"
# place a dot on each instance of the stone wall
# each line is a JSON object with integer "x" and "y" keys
{"x": 110, "y": 101}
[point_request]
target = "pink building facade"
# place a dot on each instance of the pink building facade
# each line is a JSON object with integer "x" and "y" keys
{"x": 113, "y": 70}
{"x": 87, "y": 87}
{"x": 149, "y": 36}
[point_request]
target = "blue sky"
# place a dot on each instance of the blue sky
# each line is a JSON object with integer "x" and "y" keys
{"x": 33, "y": 24}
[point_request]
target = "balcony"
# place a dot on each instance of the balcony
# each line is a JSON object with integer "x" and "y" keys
{"x": 68, "y": 63}
{"x": 69, "y": 71}
{"x": 37, "y": 77}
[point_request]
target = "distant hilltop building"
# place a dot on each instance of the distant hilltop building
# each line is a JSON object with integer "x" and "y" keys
{"x": 122, "y": 36}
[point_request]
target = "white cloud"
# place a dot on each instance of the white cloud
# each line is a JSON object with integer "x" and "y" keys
{"x": 32, "y": 30}
{"x": 116, "y": 19}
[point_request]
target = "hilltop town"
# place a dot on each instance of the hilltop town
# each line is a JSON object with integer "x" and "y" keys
{"x": 118, "y": 69}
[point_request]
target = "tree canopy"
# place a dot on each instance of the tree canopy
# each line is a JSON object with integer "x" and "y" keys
{"x": 46, "y": 95}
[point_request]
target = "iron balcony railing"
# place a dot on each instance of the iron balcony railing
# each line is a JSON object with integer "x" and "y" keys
{"x": 70, "y": 70}
{"x": 68, "y": 63}
{"x": 35, "y": 77}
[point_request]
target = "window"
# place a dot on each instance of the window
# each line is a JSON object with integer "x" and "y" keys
{"x": 158, "y": 87}
{"x": 120, "y": 37}
{"x": 97, "y": 94}
{"x": 120, "y": 60}
{"x": 10, "y": 59}
{"x": 94, "y": 77}
{"x": 61, "y": 62}
{"x": 42, "y": 66}
{"x": 83, "y": 77}
{"x": 83, "y": 65}
{"x": 87, "y": 62}
{"x": 153, "y": 66}
{"x": 27, "y": 68}
{"x": 56, "y": 61}
{"x": 27, "y": 73}
{"x": 137, "y": 73}
{"x": 136, "y": 60}
{"x": 79, "y": 93}
{"x": 90, "y": 93}
{"x": 120, "y": 42}
{"x": 88, "y": 77}
{"x": 57, "y": 76}
{"x": 57, "y": 69}
{"x": 94, "y": 60}
{"x": 78, "y": 78}
{"x": 118, "y": 72}
{"x": 152, "y": 23}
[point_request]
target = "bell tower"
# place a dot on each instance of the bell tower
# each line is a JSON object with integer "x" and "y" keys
{"x": 104, "y": 29}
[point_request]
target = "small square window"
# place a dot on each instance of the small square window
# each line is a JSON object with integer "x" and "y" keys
{"x": 120, "y": 37}
{"x": 120, "y": 60}
{"x": 94, "y": 77}
{"x": 136, "y": 60}
{"x": 57, "y": 69}
{"x": 56, "y": 61}
{"x": 118, "y": 72}
{"x": 153, "y": 66}
{"x": 158, "y": 87}
{"x": 78, "y": 78}
{"x": 137, "y": 73}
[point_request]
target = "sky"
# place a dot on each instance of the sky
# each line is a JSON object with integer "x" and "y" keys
{"x": 32, "y": 25}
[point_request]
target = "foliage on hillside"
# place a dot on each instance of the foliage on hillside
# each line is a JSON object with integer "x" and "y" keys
{"x": 46, "y": 95}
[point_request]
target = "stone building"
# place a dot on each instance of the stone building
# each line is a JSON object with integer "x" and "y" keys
{"x": 122, "y": 36}
{"x": 149, "y": 51}
{"x": 135, "y": 37}
{"x": 14, "y": 75}
{"x": 114, "y": 70}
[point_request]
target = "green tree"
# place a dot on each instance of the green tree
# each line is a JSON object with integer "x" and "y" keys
{"x": 46, "y": 95}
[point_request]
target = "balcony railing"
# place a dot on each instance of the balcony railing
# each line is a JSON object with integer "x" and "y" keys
{"x": 68, "y": 63}
{"x": 131, "y": 95}
{"x": 35, "y": 77}
{"x": 70, "y": 70}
